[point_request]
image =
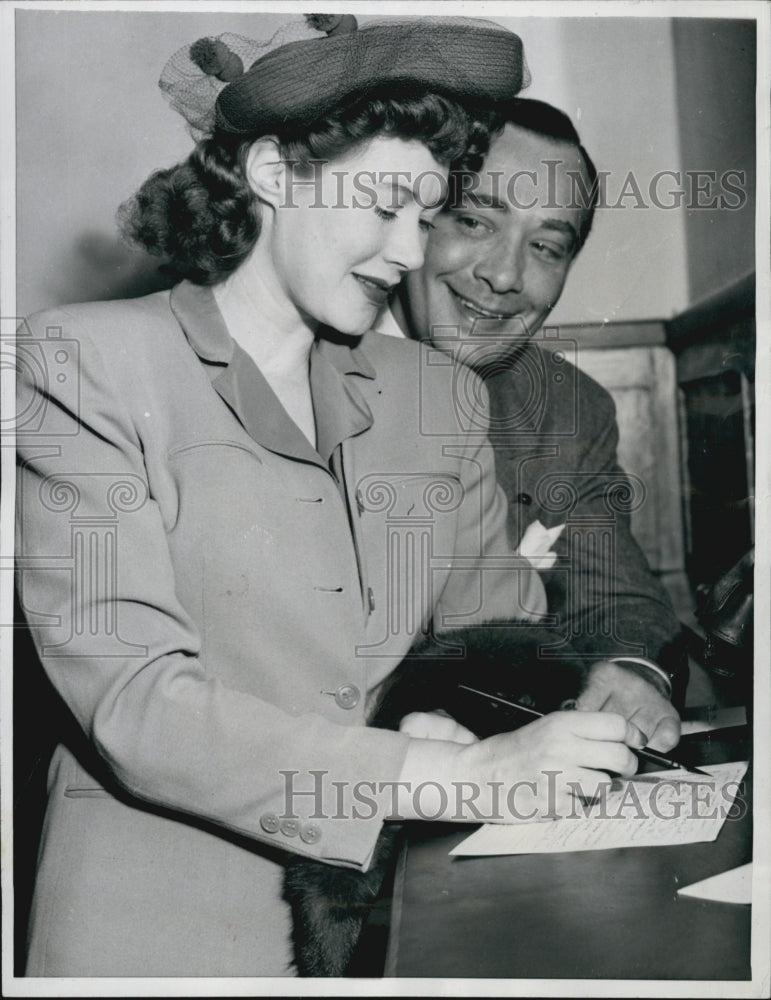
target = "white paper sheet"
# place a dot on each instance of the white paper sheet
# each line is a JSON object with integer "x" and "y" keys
{"x": 734, "y": 886}
{"x": 681, "y": 808}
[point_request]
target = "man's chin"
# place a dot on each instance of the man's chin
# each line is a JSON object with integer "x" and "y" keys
{"x": 479, "y": 345}
{"x": 449, "y": 335}
{"x": 482, "y": 357}
{"x": 512, "y": 330}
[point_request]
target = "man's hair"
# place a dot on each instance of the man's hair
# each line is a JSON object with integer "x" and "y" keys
{"x": 546, "y": 120}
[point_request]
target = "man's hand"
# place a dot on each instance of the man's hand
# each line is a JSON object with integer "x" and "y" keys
{"x": 611, "y": 687}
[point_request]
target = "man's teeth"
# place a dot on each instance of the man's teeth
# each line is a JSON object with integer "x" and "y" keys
{"x": 482, "y": 312}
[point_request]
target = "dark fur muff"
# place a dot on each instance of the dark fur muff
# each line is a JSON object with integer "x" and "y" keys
{"x": 330, "y": 904}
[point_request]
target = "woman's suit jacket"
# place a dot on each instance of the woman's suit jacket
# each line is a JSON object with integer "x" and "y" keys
{"x": 217, "y": 602}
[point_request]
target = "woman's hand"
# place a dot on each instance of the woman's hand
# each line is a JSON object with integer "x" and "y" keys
{"x": 435, "y": 726}
{"x": 544, "y": 770}
{"x": 557, "y": 759}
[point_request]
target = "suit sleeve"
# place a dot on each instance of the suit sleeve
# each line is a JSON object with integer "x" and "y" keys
{"x": 165, "y": 728}
{"x": 611, "y": 602}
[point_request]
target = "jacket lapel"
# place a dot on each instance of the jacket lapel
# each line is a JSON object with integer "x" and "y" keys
{"x": 340, "y": 408}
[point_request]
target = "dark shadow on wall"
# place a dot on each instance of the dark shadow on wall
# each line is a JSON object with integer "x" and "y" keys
{"x": 103, "y": 267}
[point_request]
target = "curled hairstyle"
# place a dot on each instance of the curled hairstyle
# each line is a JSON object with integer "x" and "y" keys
{"x": 202, "y": 215}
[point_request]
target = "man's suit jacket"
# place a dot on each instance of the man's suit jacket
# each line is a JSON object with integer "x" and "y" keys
{"x": 554, "y": 433}
{"x": 216, "y": 602}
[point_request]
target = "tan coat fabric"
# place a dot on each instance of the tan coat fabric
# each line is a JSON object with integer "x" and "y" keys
{"x": 215, "y": 601}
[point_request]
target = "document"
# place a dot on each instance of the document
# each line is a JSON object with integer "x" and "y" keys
{"x": 677, "y": 808}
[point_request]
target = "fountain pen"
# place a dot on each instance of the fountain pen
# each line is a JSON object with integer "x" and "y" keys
{"x": 650, "y": 756}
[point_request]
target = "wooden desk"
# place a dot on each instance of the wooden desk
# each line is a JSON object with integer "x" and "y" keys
{"x": 590, "y": 915}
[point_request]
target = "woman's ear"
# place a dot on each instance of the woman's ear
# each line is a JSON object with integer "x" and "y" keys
{"x": 266, "y": 171}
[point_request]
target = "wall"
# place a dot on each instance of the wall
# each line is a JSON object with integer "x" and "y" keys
{"x": 92, "y": 124}
{"x": 715, "y": 72}
{"x": 615, "y": 77}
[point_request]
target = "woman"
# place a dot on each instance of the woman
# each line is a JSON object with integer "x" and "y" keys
{"x": 233, "y": 531}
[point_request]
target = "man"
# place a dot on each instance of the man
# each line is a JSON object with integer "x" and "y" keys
{"x": 496, "y": 264}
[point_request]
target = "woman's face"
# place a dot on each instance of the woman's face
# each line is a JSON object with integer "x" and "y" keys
{"x": 346, "y": 233}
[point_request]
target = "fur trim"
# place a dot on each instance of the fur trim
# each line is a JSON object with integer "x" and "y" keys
{"x": 330, "y": 904}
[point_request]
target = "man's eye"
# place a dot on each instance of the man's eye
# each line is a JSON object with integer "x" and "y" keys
{"x": 381, "y": 213}
{"x": 472, "y": 225}
{"x": 426, "y": 225}
{"x": 548, "y": 252}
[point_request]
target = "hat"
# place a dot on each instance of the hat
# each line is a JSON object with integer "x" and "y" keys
{"x": 300, "y": 74}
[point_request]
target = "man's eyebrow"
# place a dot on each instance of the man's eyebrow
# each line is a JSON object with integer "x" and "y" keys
{"x": 560, "y": 226}
{"x": 479, "y": 198}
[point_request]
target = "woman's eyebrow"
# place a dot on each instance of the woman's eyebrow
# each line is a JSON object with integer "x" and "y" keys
{"x": 408, "y": 194}
{"x": 404, "y": 189}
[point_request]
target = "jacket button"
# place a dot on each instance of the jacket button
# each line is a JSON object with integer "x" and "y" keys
{"x": 310, "y": 833}
{"x": 370, "y": 599}
{"x": 269, "y": 822}
{"x": 359, "y": 501}
{"x": 347, "y": 696}
{"x": 290, "y": 827}
{"x": 524, "y": 498}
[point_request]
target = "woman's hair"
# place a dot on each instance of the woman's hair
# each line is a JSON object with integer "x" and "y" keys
{"x": 202, "y": 215}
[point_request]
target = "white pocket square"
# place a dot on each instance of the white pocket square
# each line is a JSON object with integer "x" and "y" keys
{"x": 535, "y": 545}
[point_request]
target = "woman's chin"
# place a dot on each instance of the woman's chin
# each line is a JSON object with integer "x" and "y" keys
{"x": 355, "y": 325}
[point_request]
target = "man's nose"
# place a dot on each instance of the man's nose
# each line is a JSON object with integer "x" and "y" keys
{"x": 503, "y": 268}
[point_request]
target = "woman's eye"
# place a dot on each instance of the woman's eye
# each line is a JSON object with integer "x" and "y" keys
{"x": 381, "y": 213}
{"x": 426, "y": 225}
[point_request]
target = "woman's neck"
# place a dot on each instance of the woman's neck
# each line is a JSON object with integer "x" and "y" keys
{"x": 262, "y": 319}
{"x": 277, "y": 338}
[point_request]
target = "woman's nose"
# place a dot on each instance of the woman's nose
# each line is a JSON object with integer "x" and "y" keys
{"x": 503, "y": 268}
{"x": 406, "y": 249}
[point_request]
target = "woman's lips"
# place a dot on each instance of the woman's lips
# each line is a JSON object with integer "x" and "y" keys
{"x": 376, "y": 290}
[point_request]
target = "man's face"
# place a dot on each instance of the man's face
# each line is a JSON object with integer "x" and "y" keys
{"x": 497, "y": 263}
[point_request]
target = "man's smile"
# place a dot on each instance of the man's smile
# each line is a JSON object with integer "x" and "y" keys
{"x": 476, "y": 310}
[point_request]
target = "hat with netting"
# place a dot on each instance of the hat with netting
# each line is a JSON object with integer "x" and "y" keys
{"x": 238, "y": 85}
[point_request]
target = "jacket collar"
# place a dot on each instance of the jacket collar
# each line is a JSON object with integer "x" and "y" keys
{"x": 340, "y": 408}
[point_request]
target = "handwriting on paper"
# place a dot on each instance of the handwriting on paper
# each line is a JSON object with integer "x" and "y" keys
{"x": 679, "y": 808}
